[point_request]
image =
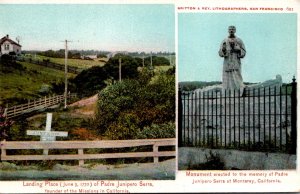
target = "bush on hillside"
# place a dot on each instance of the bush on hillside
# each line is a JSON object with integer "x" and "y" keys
{"x": 165, "y": 130}
{"x": 126, "y": 108}
{"x": 9, "y": 65}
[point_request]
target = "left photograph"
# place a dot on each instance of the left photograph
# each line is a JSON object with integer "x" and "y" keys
{"x": 87, "y": 92}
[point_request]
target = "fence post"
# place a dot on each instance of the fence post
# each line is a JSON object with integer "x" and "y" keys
{"x": 3, "y": 150}
{"x": 45, "y": 100}
{"x": 294, "y": 116}
{"x": 5, "y": 112}
{"x": 80, "y": 152}
{"x": 155, "y": 151}
{"x": 179, "y": 122}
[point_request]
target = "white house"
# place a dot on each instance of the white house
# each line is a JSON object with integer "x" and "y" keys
{"x": 7, "y": 45}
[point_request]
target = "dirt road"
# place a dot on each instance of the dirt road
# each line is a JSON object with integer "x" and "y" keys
{"x": 142, "y": 171}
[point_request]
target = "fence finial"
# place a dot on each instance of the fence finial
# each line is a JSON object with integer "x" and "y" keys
{"x": 294, "y": 79}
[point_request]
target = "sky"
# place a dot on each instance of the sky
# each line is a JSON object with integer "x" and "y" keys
{"x": 270, "y": 41}
{"x": 109, "y": 27}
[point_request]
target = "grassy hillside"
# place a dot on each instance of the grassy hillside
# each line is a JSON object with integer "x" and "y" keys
{"x": 24, "y": 81}
{"x": 82, "y": 64}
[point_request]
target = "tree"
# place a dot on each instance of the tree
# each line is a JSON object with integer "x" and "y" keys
{"x": 76, "y": 56}
{"x": 156, "y": 61}
{"x": 101, "y": 55}
{"x": 129, "y": 67}
{"x": 91, "y": 80}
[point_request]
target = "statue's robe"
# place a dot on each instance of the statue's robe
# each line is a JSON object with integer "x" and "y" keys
{"x": 232, "y": 53}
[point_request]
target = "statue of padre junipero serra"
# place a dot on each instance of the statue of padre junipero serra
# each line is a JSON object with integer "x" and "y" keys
{"x": 232, "y": 49}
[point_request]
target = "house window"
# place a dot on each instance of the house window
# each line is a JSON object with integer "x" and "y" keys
{"x": 6, "y": 47}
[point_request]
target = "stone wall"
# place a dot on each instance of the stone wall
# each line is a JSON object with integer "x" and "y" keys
{"x": 234, "y": 159}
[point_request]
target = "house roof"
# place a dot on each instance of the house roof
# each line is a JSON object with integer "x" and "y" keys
{"x": 6, "y": 38}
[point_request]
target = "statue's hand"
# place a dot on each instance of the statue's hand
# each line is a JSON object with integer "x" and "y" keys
{"x": 224, "y": 50}
{"x": 237, "y": 48}
{"x": 224, "y": 47}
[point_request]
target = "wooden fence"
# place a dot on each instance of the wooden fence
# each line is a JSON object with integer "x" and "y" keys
{"x": 81, "y": 146}
{"x": 34, "y": 105}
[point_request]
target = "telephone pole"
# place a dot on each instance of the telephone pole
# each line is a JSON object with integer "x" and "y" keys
{"x": 151, "y": 59}
{"x": 120, "y": 69}
{"x": 66, "y": 72}
{"x": 151, "y": 66}
{"x": 143, "y": 60}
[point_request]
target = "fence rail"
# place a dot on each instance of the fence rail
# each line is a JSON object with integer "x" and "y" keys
{"x": 261, "y": 119}
{"x": 81, "y": 146}
{"x": 34, "y": 105}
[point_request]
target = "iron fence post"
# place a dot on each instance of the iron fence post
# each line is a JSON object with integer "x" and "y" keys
{"x": 294, "y": 116}
{"x": 179, "y": 117}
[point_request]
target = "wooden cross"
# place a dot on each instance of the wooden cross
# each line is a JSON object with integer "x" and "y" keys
{"x": 47, "y": 135}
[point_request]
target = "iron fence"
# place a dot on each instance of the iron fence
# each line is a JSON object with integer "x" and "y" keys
{"x": 258, "y": 119}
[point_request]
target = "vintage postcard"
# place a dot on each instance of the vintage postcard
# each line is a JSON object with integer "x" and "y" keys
{"x": 237, "y": 96}
{"x": 149, "y": 96}
{"x": 87, "y": 93}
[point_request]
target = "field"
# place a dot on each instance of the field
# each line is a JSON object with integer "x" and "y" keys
{"x": 80, "y": 63}
{"x": 23, "y": 84}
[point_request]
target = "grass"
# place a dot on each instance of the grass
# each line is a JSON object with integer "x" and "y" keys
{"x": 80, "y": 63}
{"x": 48, "y": 72}
{"x": 162, "y": 68}
{"x": 25, "y": 83}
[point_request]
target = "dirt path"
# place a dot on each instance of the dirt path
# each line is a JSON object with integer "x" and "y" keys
{"x": 85, "y": 107}
{"x": 86, "y": 101}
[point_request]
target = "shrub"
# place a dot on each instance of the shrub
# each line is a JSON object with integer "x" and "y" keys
{"x": 126, "y": 108}
{"x": 5, "y": 125}
{"x": 45, "y": 89}
{"x": 113, "y": 100}
{"x": 82, "y": 134}
{"x": 165, "y": 130}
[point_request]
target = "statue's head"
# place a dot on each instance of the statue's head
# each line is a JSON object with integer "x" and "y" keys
{"x": 231, "y": 30}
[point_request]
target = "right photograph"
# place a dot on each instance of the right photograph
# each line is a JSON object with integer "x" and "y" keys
{"x": 237, "y": 96}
